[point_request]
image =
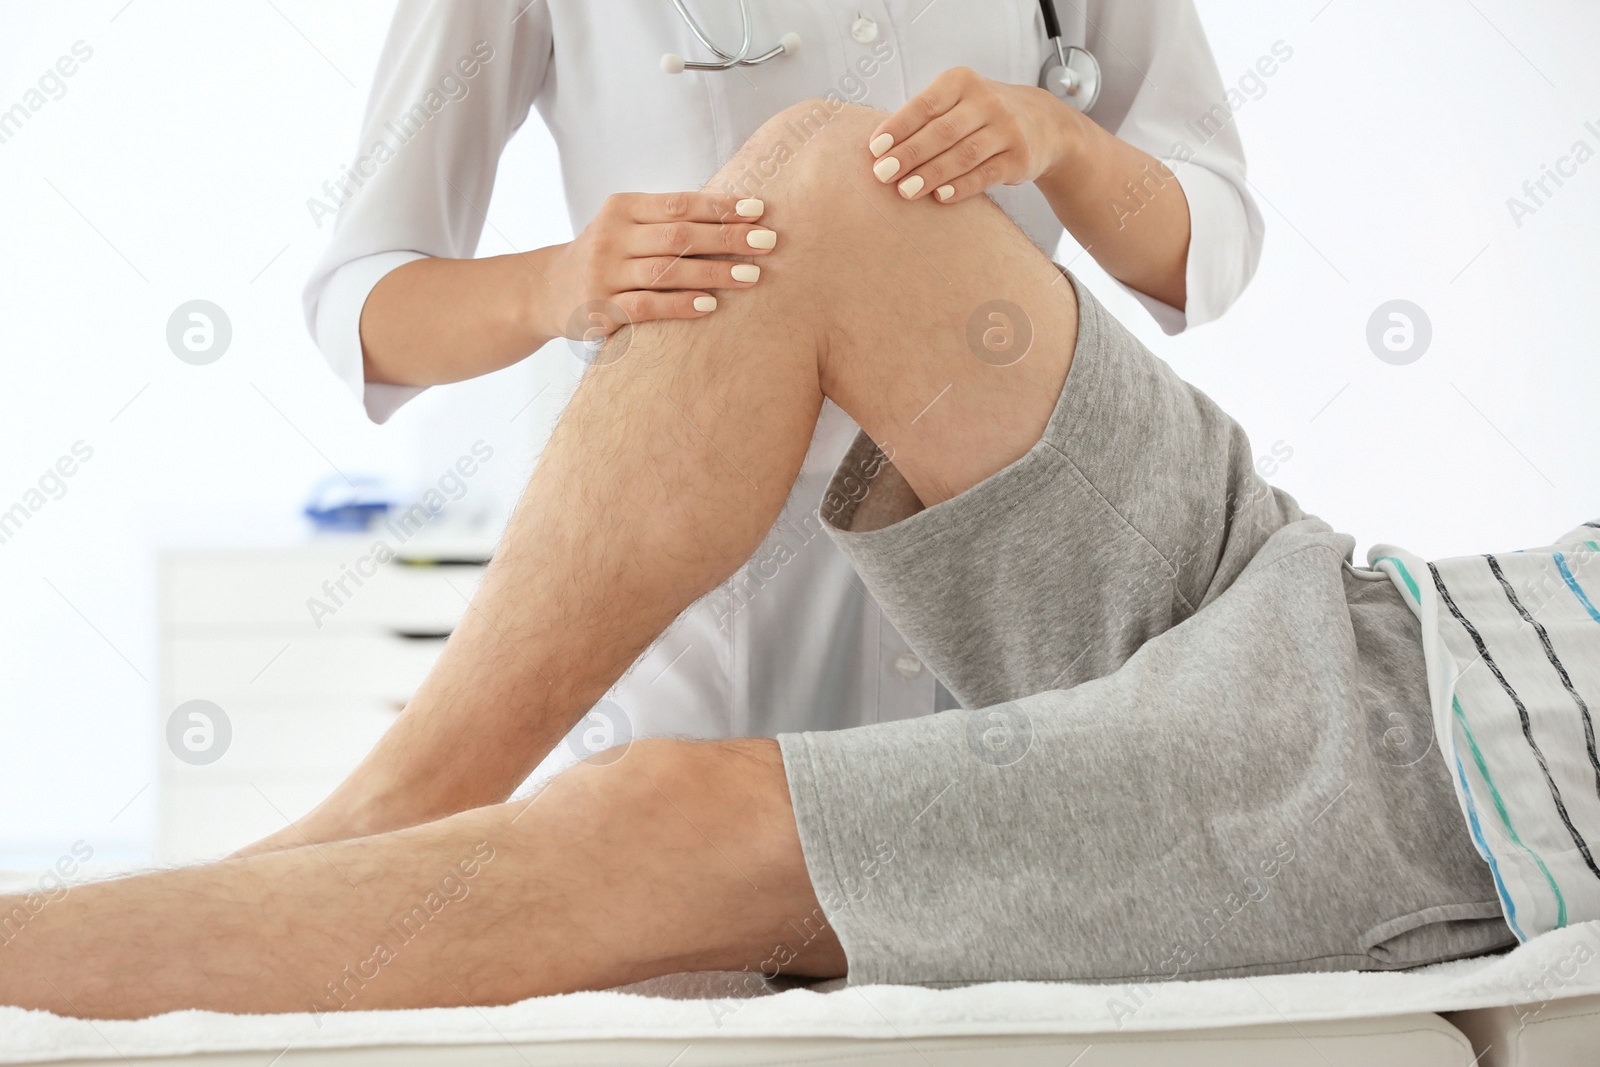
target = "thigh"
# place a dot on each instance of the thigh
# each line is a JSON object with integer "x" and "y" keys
{"x": 1221, "y": 805}
{"x": 1139, "y": 504}
{"x": 950, "y": 344}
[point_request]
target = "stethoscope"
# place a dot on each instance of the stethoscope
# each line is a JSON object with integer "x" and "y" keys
{"x": 1072, "y": 74}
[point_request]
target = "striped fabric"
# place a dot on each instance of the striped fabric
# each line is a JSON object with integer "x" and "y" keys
{"x": 1512, "y": 644}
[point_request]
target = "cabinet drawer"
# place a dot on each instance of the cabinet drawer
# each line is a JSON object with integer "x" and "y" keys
{"x": 370, "y": 667}
{"x": 311, "y": 592}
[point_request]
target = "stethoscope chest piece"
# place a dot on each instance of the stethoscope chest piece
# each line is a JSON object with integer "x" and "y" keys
{"x": 1073, "y": 75}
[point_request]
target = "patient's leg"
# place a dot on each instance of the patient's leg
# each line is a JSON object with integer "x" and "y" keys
{"x": 671, "y": 463}
{"x": 667, "y": 469}
{"x": 683, "y": 856}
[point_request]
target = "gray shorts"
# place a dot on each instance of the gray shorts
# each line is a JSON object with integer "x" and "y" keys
{"x": 1194, "y": 740}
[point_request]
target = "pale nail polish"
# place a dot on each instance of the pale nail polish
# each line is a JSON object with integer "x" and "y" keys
{"x": 945, "y": 192}
{"x": 886, "y": 168}
{"x": 911, "y": 186}
{"x": 762, "y": 239}
{"x": 750, "y": 209}
{"x": 880, "y": 144}
{"x": 705, "y": 303}
{"x": 746, "y": 272}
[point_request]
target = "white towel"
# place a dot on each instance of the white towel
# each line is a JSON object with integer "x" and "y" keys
{"x": 1562, "y": 963}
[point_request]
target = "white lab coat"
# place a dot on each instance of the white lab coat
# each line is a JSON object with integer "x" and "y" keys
{"x": 794, "y": 641}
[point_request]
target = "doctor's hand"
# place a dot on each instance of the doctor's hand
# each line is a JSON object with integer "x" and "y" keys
{"x": 966, "y": 133}
{"x": 647, "y": 253}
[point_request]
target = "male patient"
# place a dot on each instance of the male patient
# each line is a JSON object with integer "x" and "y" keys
{"x": 1175, "y": 759}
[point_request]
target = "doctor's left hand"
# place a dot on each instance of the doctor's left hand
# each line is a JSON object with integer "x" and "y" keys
{"x": 964, "y": 134}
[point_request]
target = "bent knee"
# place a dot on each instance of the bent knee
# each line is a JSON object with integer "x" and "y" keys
{"x": 637, "y": 767}
{"x": 809, "y": 142}
{"x": 662, "y": 782}
{"x": 825, "y": 121}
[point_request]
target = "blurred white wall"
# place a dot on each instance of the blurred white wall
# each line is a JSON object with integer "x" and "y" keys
{"x": 174, "y": 164}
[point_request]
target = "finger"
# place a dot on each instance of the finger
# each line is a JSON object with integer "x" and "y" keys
{"x": 934, "y": 139}
{"x": 647, "y": 306}
{"x": 934, "y": 101}
{"x": 685, "y": 207}
{"x": 963, "y": 157}
{"x": 682, "y": 272}
{"x": 986, "y": 175}
{"x": 699, "y": 239}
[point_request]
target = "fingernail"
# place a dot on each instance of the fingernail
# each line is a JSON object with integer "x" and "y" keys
{"x": 886, "y": 168}
{"x": 746, "y": 272}
{"x": 880, "y": 144}
{"x": 911, "y": 186}
{"x": 762, "y": 239}
{"x": 750, "y": 209}
{"x": 945, "y": 192}
{"x": 705, "y": 303}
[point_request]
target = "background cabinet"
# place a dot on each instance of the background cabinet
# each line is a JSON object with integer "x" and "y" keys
{"x": 305, "y": 690}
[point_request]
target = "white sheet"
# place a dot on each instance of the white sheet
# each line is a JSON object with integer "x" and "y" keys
{"x": 1560, "y": 964}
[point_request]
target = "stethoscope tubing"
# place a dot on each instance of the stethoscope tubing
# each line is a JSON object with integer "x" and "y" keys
{"x": 705, "y": 38}
{"x": 727, "y": 61}
{"x": 1071, "y": 79}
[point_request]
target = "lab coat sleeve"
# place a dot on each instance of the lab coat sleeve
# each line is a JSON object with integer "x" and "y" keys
{"x": 455, "y": 80}
{"x": 1163, "y": 94}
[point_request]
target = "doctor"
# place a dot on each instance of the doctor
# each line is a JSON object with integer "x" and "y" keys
{"x": 398, "y": 303}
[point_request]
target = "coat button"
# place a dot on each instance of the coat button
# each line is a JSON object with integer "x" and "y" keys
{"x": 908, "y": 665}
{"x": 864, "y": 30}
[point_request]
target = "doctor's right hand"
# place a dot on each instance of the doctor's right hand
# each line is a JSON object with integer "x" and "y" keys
{"x": 656, "y": 256}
